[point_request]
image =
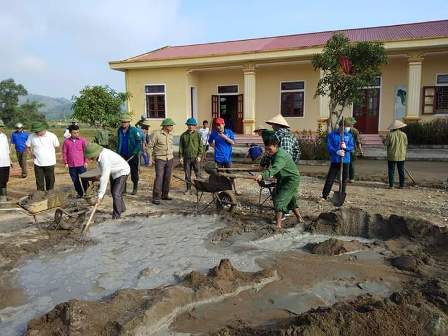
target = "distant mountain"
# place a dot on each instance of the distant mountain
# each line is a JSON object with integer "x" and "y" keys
{"x": 53, "y": 109}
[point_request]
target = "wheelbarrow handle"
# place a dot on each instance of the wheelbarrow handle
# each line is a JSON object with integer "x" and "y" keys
{"x": 181, "y": 179}
{"x": 239, "y": 176}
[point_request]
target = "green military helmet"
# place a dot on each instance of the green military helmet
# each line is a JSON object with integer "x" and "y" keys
{"x": 349, "y": 121}
{"x": 2, "y": 124}
{"x": 125, "y": 117}
{"x": 168, "y": 122}
{"x": 92, "y": 150}
{"x": 191, "y": 121}
{"x": 38, "y": 127}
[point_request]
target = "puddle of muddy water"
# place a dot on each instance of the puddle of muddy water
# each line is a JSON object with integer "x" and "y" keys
{"x": 135, "y": 253}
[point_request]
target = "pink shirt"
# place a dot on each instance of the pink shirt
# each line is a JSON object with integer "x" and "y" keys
{"x": 73, "y": 152}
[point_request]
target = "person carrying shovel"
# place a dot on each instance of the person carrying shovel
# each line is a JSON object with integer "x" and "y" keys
{"x": 284, "y": 169}
{"x": 339, "y": 148}
{"x": 114, "y": 168}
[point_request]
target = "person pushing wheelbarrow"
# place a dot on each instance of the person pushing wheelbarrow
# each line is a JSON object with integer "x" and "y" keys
{"x": 285, "y": 171}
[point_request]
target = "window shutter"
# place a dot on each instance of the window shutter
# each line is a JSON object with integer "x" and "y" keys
{"x": 429, "y": 101}
{"x": 215, "y": 106}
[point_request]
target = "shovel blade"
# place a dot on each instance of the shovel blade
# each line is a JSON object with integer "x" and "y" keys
{"x": 339, "y": 198}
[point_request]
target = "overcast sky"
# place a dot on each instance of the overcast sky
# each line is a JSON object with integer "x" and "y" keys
{"x": 56, "y": 47}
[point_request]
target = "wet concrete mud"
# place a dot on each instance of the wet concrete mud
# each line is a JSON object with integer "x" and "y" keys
{"x": 364, "y": 270}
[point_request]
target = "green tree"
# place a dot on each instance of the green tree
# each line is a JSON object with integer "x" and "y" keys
{"x": 9, "y": 100}
{"x": 28, "y": 113}
{"x": 346, "y": 68}
{"x": 99, "y": 106}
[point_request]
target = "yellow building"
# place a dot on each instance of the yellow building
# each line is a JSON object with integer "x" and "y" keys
{"x": 248, "y": 81}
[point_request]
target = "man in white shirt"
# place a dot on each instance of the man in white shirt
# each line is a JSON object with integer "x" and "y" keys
{"x": 42, "y": 146}
{"x": 5, "y": 163}
{"x": 114, "y": 168}
{"x": 204, "y": 131}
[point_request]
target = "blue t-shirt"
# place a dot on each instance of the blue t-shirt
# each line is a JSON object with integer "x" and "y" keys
{"x": 19, "y": 140}
{"x": 223, "y": 150}
{"x": 124, "y": 150}
{"x": 255, "y": 152}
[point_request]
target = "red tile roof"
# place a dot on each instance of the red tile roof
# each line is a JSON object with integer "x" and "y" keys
{"x": 412, "y": 31}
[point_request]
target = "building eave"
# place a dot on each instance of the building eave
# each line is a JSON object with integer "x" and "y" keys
{"x": 284, "y": 54}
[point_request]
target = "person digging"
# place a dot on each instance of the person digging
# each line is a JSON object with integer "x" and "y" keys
{"x": 114, "y": 168}
{"x": 285, "y": 171}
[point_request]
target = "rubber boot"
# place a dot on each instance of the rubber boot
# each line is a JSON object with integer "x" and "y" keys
{"x": 135, "y": 189}
{"x": 3, "y": 195}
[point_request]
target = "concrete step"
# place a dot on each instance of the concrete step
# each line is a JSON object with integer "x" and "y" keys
{"x": 371, "y": 140}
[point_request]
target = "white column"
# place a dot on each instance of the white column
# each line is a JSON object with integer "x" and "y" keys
{"x": 249, "y": 98}
{"x": 324, "y": 108}
{"x": 414, "y": 89}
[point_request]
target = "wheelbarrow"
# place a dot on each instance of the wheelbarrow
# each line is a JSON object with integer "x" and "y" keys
{"x": 66, "y": 212}
{"x": 219, "y": 187}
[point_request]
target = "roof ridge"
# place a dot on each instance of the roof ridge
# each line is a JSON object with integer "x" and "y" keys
{"x": 290, "y": 35}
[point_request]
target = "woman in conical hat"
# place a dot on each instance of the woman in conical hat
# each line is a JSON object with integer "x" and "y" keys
{"x": 396, "y": 146}
{"x": 284, "y": 137}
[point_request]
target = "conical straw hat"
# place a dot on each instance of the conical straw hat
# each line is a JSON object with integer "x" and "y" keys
{"x": 396, "y": 124}
{"x": 278, "y": 120}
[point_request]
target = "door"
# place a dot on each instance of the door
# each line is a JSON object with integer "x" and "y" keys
{"x": 230, "y": 108}
{"x": 367, "y": 113}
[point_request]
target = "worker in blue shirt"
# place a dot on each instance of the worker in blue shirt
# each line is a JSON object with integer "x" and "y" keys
{"x": 222, "y": 139}
{"x": 18, "y": 139}
{"x": 339, "y": 149}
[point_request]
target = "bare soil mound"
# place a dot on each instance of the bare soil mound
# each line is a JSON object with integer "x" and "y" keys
{"x": 132, "y": 311}
{"x": 334, "y": 246}
{"x": 418, "y": 311}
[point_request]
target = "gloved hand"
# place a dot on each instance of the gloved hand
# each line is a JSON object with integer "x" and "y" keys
{"x": 181, "y": 161}
{"x": 343, "y": 146}
{"x": 198, "y": 159}
{"x": 341, "y": 152}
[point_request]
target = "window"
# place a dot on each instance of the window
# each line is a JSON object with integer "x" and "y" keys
{"x": 227, "y": 89}
{"x": 435, "y": 98}
{"x": 292, "y": 97}
{"x": 155, "y": 101}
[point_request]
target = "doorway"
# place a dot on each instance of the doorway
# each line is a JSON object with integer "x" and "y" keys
{"x": 367, "y": 113}
{"x": 230, "y": 108}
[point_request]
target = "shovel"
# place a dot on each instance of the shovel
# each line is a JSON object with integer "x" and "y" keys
{"x": 339, "y": 196}
{"x": 86, "y": 227}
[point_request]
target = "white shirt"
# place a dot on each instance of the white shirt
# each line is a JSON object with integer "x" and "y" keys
{"x": 204, "y": 132}
{"x": 43, "y": 148}
{"x": 111, "y": 165}
{"x": 67, "y": 134}
{"x": 4, "y": 151}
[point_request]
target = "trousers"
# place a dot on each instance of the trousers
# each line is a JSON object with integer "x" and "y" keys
{"x": 162, "y": 180}
{"x": 391, "y": 172}
{"x": 117, "y": 188}
{"x": 21, "y": 158}
{"x": 44, "y": 177}
{"x": 332, "y": 173}
{"x": 189, "y": 165}
{"x": 79, "y": 184}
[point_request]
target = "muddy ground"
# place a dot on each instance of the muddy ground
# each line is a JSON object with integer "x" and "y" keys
{"x": 337, "y": 288}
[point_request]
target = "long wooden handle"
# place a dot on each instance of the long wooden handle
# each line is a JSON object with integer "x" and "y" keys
{"x": 86, "y": 227}
{"x": 410, "y": 175}
{"x": 246, "y": 177}
{"x": 239, "y": 169}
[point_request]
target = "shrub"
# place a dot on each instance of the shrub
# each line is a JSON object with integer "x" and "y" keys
{"x": 313, "y": 146}
{"x": 434, "y": 132}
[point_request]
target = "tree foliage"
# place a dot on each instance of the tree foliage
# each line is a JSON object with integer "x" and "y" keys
{"x": 99, "y": 106}
{"x": 10, "y": 111}
{"x": 344, "y": 88}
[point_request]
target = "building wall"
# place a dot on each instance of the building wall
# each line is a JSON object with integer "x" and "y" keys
{"x": 433, "y": 65}
{"x": 208, "y": 86}
{"x": 268, "y": 81}
{"x": 268, "y": 78}
{"x": 177, "y": 94}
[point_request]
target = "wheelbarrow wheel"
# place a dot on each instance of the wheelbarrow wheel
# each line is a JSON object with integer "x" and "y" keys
{"x": 225, "y": 201}
{"x": 58, "y": 214}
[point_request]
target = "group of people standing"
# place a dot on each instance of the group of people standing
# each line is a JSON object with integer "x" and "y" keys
{"x": 279, "y": 160}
